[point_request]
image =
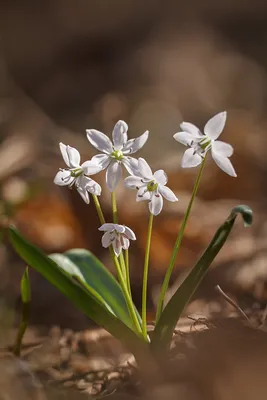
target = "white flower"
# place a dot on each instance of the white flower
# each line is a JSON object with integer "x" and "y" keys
{"x": 150, "y": 186}
{"x": 116, "y": 153}
{"x": 118, "y": 236}
{"x": 199, "y": 144}
{"x": 75, "y": 174}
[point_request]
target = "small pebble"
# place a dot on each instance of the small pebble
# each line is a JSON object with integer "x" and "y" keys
{"x": 82, "y": 384}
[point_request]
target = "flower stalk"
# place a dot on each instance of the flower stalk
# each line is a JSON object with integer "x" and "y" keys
{"x": 114, "y": 208}
{"x": 145, "y": 276}
{"x": 98, "y": 209}
{"x": 128, "y": 299}
{"x": 116, "y": 221}
{"x": 177, "y": 245}
{"x": 123, "y": 267}
{"x": 128, "y": 271}
{"x": 120, "y": 273}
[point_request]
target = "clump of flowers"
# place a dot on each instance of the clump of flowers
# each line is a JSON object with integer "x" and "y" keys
{"x": 116, "y": 154}
{"x": 77, "y": 174}
{"x": 118, "y": 236}
{"x": 84, "y": 279}
{"x": 150, "y": 186}
{"x": 200, "y": 143}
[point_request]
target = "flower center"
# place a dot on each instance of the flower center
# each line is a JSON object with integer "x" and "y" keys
{"x": 205, "y": 143}
{"x": 202, "y": 146}
{"x": 76, "y": 172}
{"x": 114, "y": 235}
{"x": 117, "y": 154}
{"x": 152, "y": 186}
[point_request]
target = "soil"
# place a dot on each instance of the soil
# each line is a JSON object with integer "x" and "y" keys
{"x": 219, "y": 358}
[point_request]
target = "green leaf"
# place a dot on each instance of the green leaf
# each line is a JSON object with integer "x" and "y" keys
{"x": 78, "y": 295}
{"x": 94, "y": 277}
{"x": 25, "y": 287}
{"x": 25, "y": 290}
{"x": 163, "y": 332}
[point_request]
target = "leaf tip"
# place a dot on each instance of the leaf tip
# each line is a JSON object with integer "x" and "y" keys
{"x": 246, "y": 213}
{"x": 25, "y": 287}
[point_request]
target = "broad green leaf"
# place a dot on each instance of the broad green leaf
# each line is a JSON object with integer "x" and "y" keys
{"x": 79, "y": 296}
{"x": 25, "y": 287}
{"x": 163, "y": 332}
{"x": 92, "y": 274}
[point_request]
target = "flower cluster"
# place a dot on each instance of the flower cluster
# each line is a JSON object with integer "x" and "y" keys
{"x": 150, "y": 187}
{"x": 118, "y": 236}
{"x": 117, "y": 153}
{"x": 200, "y": 143}
{"x": 76, "y": 173}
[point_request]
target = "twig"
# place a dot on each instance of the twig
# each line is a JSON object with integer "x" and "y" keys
{"x": 236, "y": 306}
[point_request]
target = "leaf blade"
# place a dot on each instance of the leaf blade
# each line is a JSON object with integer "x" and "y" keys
{"x": 83, "y": 265}
{"x": 162, "y": 334}
{"x": 74, "y": 292}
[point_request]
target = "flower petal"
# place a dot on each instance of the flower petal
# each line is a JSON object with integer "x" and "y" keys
{"x": 215, "y": 125}
{"x": 83, "y": 193}
{"x": 191, "y": 128}
{"x": 74, "y": 157}
{"x": 131, "y": 165}
{"x": 90, "y": 185}
{"x": 117, "y": 247}
{"x": 119, "y": 228}
{"x": 102, "y": 159}
{"x": 99, "y": 140}
{"x": 143, "y": 194}
{"x": 125, "y": 243}
{"x": 109, "y": 227}
{"x": 119, "y": 135}
{"x": 127, "y": 148}
{"x": 133, "y": 145}
{"x": 224, "y": 149}
{"x": 167, "y": 193}
{"x": 63, "y": 149}
{"x": 106, "y": 242}
{"x": 133, "y": 182}
{"x": 161, "y": 177}
{"x": 144, "y": 169}
{"x": 113, "y": 175}
{"x": 70, "y": 155}
{"x": 63, "y": 178}
{"x": 129, "y": 233}
{"x": 156, "y": 204}
{"x": 90, "y": 167}
{"x": 224, "y": 163}
{"x": 186, "y": 138}
{"x": 190, "y": 159}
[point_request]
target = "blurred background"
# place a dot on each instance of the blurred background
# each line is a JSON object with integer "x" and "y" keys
{"x": 67, "y": 66}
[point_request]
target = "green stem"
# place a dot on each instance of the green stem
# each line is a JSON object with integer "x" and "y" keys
{"x": 128, "y": 299}
{"x": 22, "y": 328}
{"x": 114, "y": 208}
{"x": 122, "y": 282}
{"x": 123, "y": 267}
{"x": 145, "y": 276}
{"x": 116, "y": 221}
{"x": 177, "y": 245}
{"x": 98, "y": 209}
{"x": 127, "y": 271}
